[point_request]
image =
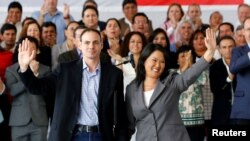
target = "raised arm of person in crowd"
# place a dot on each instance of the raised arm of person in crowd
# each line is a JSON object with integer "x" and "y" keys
{"x": 210, "y": 42}
{"x": 66, "y": 14}
{"x": 25, "y": 55}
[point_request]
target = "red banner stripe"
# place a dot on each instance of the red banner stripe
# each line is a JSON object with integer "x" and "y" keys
{"x": 188, "y": 2}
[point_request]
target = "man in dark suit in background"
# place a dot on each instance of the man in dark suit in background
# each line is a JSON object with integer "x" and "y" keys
{"x": 222, "y": 83}
{"x": 240, "y": 66}
{"x": 84, "y": 105}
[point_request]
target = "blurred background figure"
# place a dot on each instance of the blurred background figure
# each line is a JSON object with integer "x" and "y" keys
{"x": 239, "y": 36}
{"x": 174, "y": 15}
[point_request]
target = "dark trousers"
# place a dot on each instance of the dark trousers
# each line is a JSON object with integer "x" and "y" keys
{"x": 196, "y": 133}
{"x": 87, "y": 136}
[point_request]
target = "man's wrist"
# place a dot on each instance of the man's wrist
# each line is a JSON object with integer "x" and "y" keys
{"x": 23, "y": 69}
{"x": 229, "y": 80}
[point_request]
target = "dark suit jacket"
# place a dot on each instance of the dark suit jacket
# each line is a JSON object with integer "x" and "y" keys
{"x": 222, "y": 91}
{"x": 67, "y": 79}
{"x": 73, "y": 55}
{"x": 68, "y": 56}
{"x": 240, "y": 66}
{"x": 125, "y": 26}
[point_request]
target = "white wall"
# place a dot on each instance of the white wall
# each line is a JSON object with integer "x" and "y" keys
{"x": 108, "y": 9}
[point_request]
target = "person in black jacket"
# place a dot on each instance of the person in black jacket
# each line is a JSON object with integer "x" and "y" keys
{"x": 84, "y": 105}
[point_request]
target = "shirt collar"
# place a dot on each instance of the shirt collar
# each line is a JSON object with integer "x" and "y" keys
{"x": 56, "y": 13}
{"x": 85, "y": 66}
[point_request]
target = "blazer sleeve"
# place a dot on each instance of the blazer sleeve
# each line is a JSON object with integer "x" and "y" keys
{"x": 218, "y": 81}
{"x": 239, "y": 61}
{"x": 13, "y": 82}
{"x": 40, "y": 86}
{"x": 129, "y": 111}
{"x": 183, "y": 81}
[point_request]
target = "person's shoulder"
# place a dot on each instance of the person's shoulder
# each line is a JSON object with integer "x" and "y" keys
{"x": 35, "y": 14}
{"x": 170, "y": 77}
{"x": 132, "y": 83}
{"x": 44, "y": 67}
{"x": 132, "y": 86}
{"x": 12, "y": 67}
{"x": 111, "y": 67}
{"x": 121, "y": 19}
{"x": 71, "y": 62}
{"x": 240, "y": 49}
{"x": 216, "y": 63}
{"x": 58, "y": 12}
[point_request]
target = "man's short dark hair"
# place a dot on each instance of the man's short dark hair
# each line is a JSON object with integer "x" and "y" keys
{"x": 48, "y": 24}
{"x": 90, "y": 7}
{"x": 226, "y": 37}
{"x": 140, "y": 14}
{"x": 15, "y": 4}
{"x": 227, "y": 23}
{"x": 77, "y": 28}
{"x": 90, "y": 1}
{"x": 125, "y": 2}
{"x": 8, "y": 26}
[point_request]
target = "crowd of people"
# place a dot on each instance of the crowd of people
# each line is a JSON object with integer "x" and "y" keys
{"x": 121, "y": 79}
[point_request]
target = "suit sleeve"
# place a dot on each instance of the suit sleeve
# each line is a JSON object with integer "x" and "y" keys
{"x": 239, "y": 61}
{"x": 13, "y": 83}
{"x": 40, "y": 86}
{"x": 130, "y": 116}
{"x": 183, "y": 81}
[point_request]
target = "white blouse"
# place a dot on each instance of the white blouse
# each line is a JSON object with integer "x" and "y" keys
{"x": 147, "y": 96}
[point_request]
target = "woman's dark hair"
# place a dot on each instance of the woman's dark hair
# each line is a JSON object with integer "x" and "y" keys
{"x": 193, "y": 36}
{"x": 113, "y": 19}
{"x": 31, "y": 39}
{"x": 125, "y": 43}
{"x": 146, "y": 52}
{"x": 186, "y": 48}
{"x": 24, "y": 30}
{"x": 27, "y": 19}
{"x": 155, "y": 33}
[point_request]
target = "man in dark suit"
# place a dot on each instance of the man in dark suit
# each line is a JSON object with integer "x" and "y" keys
{"x": 240, "y": 66}
{"x": 222, "y": 83}
{"x": 84, "y": 105}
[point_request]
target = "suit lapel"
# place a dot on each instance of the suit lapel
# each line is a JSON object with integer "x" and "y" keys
{"x": 157, "y": 92}
{"x": 77, "y": 75}
{"x": 103, "y": 81}
{"x": 140, "y": 96}
{"x": 246, "y": 49}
